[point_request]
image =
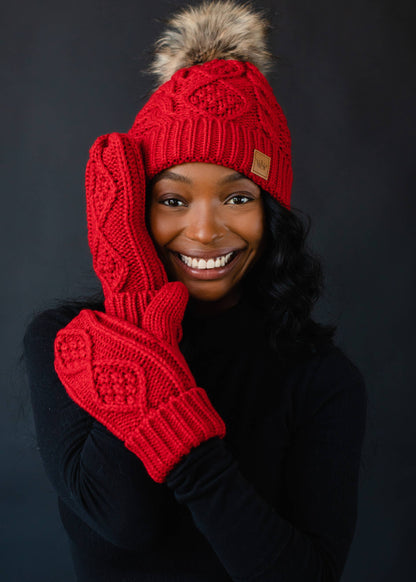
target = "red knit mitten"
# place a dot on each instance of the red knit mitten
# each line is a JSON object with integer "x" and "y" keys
{"x": 124, "y": 367}
{"x": 124, "y": 256}
{"x": 136, "y": 382}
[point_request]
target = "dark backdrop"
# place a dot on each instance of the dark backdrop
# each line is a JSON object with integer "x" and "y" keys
{"x": 346, "y": 82}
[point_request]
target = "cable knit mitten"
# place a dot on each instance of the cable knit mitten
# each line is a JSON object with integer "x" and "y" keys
{"x": 136, "y": 382}
{"x": 124, "y": 366}
{"x": 124, "y": 256}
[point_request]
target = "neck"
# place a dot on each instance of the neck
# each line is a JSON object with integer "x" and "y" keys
{"x": 207, "y": 308}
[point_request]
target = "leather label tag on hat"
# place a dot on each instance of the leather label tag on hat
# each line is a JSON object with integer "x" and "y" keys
{"x": 261, "y": 164}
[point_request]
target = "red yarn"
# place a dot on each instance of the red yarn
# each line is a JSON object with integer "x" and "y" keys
{"x": 136, "y": 381}
{"x": 124, "y": 256}
{"x": 221, "y": 112}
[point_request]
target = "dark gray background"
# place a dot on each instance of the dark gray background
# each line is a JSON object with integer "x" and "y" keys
{"x": 346, "y": 82}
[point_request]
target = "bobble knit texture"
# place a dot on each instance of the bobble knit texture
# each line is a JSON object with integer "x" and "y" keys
{"x": 124, "y": 367}
{"x": 136, "y": 383}
{"x": 219, "y": 112}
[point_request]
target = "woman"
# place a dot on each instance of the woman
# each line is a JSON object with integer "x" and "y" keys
{"x": 198, "y": 424}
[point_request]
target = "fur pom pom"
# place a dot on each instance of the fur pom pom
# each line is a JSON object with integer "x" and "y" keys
{"x": 212, "y": 30}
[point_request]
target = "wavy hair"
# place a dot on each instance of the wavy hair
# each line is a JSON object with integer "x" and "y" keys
{"x": 288, "y": 280}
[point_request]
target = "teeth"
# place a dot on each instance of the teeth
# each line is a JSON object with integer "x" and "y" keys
{"x": 209, "y": 264}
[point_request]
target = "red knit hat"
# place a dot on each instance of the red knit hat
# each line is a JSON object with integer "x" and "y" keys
{"x": 221, "y": 112}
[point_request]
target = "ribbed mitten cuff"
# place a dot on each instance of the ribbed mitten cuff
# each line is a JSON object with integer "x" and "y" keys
{"x": 165, "y": 321}
{"x": 129, "y": 306}
{"x": 168, "y": 434}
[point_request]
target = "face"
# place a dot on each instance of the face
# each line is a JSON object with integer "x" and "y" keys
{"x": 207, "y": 223}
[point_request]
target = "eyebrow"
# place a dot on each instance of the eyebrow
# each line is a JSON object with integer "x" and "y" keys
{"x": 233, "y": 178}
{"x": 170, "y": 175}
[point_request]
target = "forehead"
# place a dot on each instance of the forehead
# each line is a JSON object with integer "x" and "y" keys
{"x": 192, "y": 172}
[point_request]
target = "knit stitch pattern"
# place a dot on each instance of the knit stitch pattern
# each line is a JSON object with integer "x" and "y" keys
{"x": 136, "y": 382}
{"x": 124, "y": 366}
{"x": 219, "y": 112}
{"x": 124, "y": 256}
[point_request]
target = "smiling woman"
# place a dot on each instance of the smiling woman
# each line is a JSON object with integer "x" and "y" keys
{"x": 196, "y": 423}
{"x": 207, "y": 224}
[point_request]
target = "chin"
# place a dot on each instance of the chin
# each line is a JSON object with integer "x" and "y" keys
{"x": 207, "y": 292}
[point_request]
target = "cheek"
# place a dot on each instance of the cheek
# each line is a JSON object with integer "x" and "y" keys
{"x": 161, "y": 228}
{"x": 251, "y": 227}
{"x": 162, "y": 232}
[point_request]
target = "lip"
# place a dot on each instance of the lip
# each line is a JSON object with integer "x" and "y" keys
{"x": 208, "y": 274}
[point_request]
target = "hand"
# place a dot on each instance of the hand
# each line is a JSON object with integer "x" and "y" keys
{"x": 124, "y": 256}
{"x": 136, "y": 382}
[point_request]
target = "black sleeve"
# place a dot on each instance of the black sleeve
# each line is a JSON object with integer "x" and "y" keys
{"x": 255, "y": 543}
{"x": 90, "y": 469}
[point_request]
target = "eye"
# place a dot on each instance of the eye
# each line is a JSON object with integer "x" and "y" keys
{"x": 172, "y": 202}
{"x": 238, "y": 199}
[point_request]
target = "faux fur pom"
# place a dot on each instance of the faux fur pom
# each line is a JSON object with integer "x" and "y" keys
{"x": 212, "y": 30}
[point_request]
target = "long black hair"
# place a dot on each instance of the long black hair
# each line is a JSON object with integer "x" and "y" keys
{"x": 288, "y": 280}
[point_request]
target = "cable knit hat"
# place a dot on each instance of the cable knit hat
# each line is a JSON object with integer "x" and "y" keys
{"x": 218, "y": 107}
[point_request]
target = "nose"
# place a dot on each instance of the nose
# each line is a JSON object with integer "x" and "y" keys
{"x": 204, "y": 225}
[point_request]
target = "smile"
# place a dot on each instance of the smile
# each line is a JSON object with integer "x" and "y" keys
{"x": 209, "y": 268}
{"x": 211, "y": 263}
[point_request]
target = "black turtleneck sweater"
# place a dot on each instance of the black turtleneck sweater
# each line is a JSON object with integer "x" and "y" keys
{"x": 274, "y": 501}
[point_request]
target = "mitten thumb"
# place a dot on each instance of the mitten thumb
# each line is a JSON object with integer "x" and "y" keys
{"x": 164, "y": 314}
